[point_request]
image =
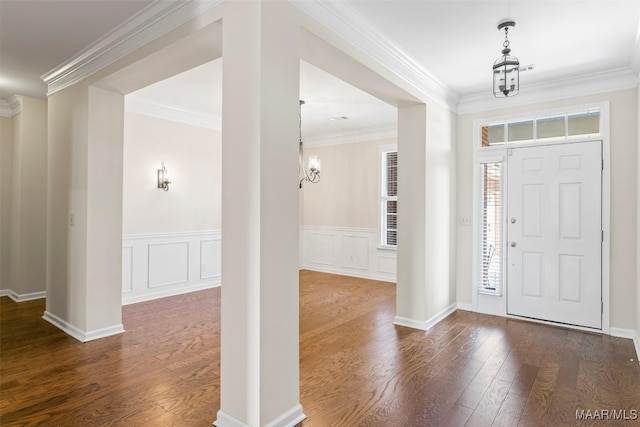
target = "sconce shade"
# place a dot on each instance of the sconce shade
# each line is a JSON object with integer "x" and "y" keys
{"x": 163, "y": 178}
{"x": 314, "y": 163}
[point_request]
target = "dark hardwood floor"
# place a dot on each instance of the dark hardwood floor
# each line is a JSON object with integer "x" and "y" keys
{"x": 356, "y": 367}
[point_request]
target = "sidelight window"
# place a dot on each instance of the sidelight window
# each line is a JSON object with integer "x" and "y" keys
{"x": 389, "y": 198}
{"x": 490, "y": 269}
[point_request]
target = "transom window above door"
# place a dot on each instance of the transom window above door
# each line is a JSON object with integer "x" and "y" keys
{"x": 565, "y": 126}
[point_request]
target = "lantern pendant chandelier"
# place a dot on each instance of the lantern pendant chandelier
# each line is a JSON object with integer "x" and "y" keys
{"x": 311, "y": 175}
{"x": 506, "y": 69}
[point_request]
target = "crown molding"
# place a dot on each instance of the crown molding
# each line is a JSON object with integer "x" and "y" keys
{"x": 154, "y": 21}
{"x": 635, "y": 56}
{"x": 15, "y": 102}
{"x": 147, "y": 107}
{"x": 11, "y": 107}
{"x": 589, "y": 84}
{"x": 5, "y": 110}
{"x": 369, "y": 134}
{"x": 352, "y": 26}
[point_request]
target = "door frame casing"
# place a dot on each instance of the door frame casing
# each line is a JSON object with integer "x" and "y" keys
{"x": 496, "y": 305}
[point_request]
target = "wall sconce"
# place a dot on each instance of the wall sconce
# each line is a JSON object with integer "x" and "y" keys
{"x": 163, "y": 178}
{"x": 312, "y": 174}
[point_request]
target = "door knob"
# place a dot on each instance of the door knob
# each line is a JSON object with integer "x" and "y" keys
{"x": 513, "y": 244}
{"x": 513, "y": 220}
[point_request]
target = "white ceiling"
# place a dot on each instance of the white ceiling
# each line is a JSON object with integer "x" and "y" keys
{"x": 458, "y": 41}
{"x": 454, "y": 41}
{"x": 327, "y": 100}
{"x": 39, "y": 35}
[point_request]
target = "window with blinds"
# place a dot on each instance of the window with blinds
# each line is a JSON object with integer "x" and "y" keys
{"x": 490, "y": 269}
{"x": 389, "y": 217}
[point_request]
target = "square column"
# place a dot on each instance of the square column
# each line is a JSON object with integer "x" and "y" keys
{"x": 424, "y": 293}
{"x": 411, "y": 297}
{"x": 260, "y": 339}
{"x": 84, "y": 212}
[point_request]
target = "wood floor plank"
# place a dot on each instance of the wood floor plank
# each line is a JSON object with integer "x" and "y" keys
{"x": 490, "y": 404}
{"x": 536, "y": 412}
{"x": 510, "y": 410}
{"x": 356, "y": 367}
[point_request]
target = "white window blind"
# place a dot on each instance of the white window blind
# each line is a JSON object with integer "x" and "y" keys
{"x": 389, "y": 217}
{"x": 490, "y": 277}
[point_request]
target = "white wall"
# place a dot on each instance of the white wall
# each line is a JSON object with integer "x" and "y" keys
{"x": 441, "y": 207}
{"x": 27, "y": 257}
{"x": 191, "y": 155}
{"x": 171, "y": 240}
{"x": 6, "y": 138}
{"x": 348, "y": 192}
{"x": 623, "y": 133}
{"x": 340, "y": 215}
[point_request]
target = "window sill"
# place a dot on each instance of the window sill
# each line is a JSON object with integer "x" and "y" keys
{"x": 490, "y": 293}
{"x": 388, "y": 248}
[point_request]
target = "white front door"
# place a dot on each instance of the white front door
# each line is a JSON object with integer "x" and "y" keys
{"x": 554, "y": 232}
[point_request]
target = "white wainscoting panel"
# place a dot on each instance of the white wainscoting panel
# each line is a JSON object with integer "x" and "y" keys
{"x": 168, "y": 263}
{"x": 355, "y": 251}
{"x": 321, "y": 248}
{"x": 127, "y": 269}
{"x": 161, "y": 265}
{"x": 210, "y": 255}
{"x": 348, "y": 251}
{"x": 387, "y": 262}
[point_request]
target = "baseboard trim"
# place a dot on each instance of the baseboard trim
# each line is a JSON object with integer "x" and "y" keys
{"x": 104, "y": 332}
{"x": 629, "y": 334}
{"x": 341, "y": 272}
{"x": 224, "y": 420}
{"x": 425, "y": 325}
{"x": 169, "y": 293}
{"x": 622, "y": 333}
{"x": 22, "y": 297}
{"x": 288, "y": 419}
{"x": 77, "y": 333}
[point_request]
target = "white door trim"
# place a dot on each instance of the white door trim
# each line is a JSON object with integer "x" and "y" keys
{"x": 497, "y": 305}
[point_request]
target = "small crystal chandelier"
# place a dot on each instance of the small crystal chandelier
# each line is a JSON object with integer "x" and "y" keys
{"x": 313, "y": 174}
{"x": 506, "y": 69}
